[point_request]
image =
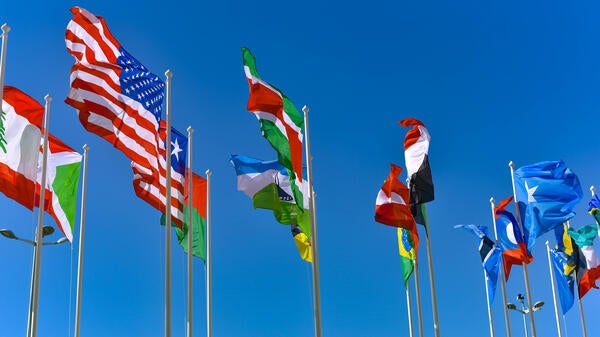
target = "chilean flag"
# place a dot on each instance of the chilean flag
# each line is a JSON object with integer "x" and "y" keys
{"x": 391, "y": 206}
{"x": 513, "y": 242}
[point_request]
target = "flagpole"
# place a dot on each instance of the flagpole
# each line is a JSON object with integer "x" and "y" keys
{"x": 436, "y": 324}
{"x": 556, "y": 315}
{"x": 168, "y": 74}
{"x": 313, "y": 230}
{"x": 208, "y": 260}
{"x": 190, "y": 233}
{"x": 525, "y": 273}
{"x": 40, "y": 224}
{"x": 489, "y": 305}
{"x": 81, "y": 237}
{"x": 418, "y": 298}
{"x": 593, "y": 190}
{"x": 5, "y": 29}
{"x": 409, "y": 310}
{"x": 581, "y": 312}
{"x": 503, "y": 281}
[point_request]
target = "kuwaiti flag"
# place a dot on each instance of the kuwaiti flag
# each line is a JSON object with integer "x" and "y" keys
{"x": 19, "y": 175}
{"x": 391, "y": 206}
{"x": 416, "y": 149}
{"x": 547, "y": 192}
{"x": 588, "y": 268}
{"x": 490, "y": 257}
{"x": 511, "y": 239}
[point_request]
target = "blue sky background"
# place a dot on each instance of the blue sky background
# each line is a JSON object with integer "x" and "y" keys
{"x": 493, "y": 81}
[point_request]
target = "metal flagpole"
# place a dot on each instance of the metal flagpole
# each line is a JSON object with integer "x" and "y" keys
{"x": 190, "y": 233}
{"x": 525, "y": 273}
{"x": 208, "y": 260}
{"x": 81, "y": 237}
{"x": 418, "y": 298}
{"x": 436, "y": 324}
{"x": 40, "y": 225}
{"x": 556, "y": 315}
{"x": 5, "y": 29}
{"x": 503, "y": 281}
{"x": 581, "y": 313}
{"x": 409, "y": 310}
{"x": 489, "y": 305}
{"x": 313, "y": 230}
{"x": 593, "y": 190}
{"x": 168, "y": 74}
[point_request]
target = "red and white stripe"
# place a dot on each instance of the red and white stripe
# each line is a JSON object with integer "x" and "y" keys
{"x": 416, "y": 145}
{"x": 96, "y": 91}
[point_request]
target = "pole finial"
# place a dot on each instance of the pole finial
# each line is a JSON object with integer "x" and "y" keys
{"x": 492, "y": 200}
{"x": 547, "y": 243}
{"x": 86, "y": 147}
{"x": 593, "y": 190}
{"x": 190, "y": 130}
{"x": 305, "y": 109}
{"x": 5, "y": 29}
{"x": 511, "y": 164}
{"x": 169, "y": 73}
{"x": 208, "y": 173}
{"x": 48, "y": 98}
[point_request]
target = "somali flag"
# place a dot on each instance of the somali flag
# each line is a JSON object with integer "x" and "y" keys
{"x": 547, "y": 192}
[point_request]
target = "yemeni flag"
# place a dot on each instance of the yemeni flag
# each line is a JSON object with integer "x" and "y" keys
{"x": 19, "y": 157}
{"x": 280, "y": 123}
{"x": 416, "y": 148}
{"x": 391, "y": 207}
{"x": 588, "y": 267}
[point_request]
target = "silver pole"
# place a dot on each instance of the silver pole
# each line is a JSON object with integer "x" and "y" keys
{"x": 502, "y": 280}
{"x": 525, "y": 273}
{"x": 40, "y": 225}
{"x": 81, "y": 237}
{"x": 168, "y": 74}
{"x": 190, "y": 233}
{"x": 489, "y": 305}
{"x": 418, "y": 298}
{"x": 313, "y": 230}
{"x": 436, "y": 324}
{"x": 556, "y": 315}
{"x": 583, "y": 327}
{"x": 5, "y": 29}
{"x": 409, "y": 310}
{"x": 208, "y": 260}
{"x": 525, "y": 323}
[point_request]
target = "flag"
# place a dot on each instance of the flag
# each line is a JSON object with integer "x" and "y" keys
{"x": 588, "y": 268}
{"x": 280, "y": 123}
{"x": 416, "y": 149}
{"x": 547, "y": 192}
{"x": 512, "y": 241}
{"x": 407, "y": 253}
{"x": 23, "y": 118}
{"x": 391, "y": 207}
{"x": 490, "y": 257}
{"x": 116, "y": 96}
{"x": 565, "y": 279}
{"x": 19, "y": 157}
{"x": 199, "y": 197}
{"x": 268, "y": 184}
{"x": 593, "y": 207}
{"x": 62, "y": 183}
{"x": 151, "y": 186}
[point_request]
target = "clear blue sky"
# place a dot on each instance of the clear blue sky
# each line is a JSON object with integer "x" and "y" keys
{"x": 493, "y": 81}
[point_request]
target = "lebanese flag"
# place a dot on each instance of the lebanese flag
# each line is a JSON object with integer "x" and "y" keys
{"x": 20, "y": 136}
{"x": 511, "y": 239}
{"x": 416, "y": 148}
{"x": 391, "y": 207}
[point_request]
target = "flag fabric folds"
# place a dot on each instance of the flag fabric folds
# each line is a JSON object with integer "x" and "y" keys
{"x": 407, "y": 253}
{"x": 512, "y": 241}
{"x": 391, "y": 205}
{"x": 280, "y": 123}
{"x": 416, "y": 149}
{"x": 490, "y": 257}
{"x": 565, "y": 279}
{"x": 593, "y": 207}
{"x": 19, "y": 157}
{"x": 588, "y": 267}
{"x": 547, "y": 192}
{"x": 268, "y": 184}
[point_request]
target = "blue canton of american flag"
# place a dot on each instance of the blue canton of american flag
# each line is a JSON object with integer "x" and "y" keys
{"x": 139, "y": 84}
{"x": 178, "y": 151}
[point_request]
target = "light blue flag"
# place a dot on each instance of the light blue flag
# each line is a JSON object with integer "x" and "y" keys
{"x": 565, "y": 278}
{"x": 490, "y": 257}
{"x": 547, "y": 192}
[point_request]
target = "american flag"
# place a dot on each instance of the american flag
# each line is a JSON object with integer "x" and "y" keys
{"x": 120, "y": 100}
